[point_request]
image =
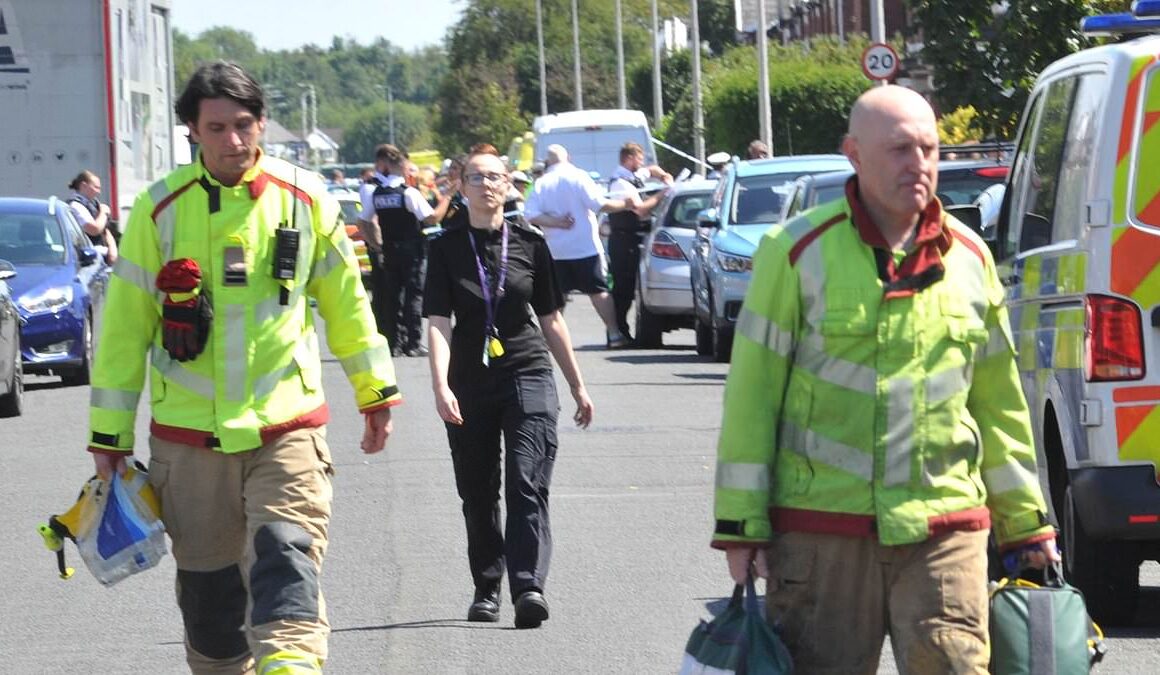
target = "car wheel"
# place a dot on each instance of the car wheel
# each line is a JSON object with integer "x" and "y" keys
{"x": 12, "y": 403}
{"x": 80, "y": 375}
{"x": 648, "y": 325}
{"x": 722, "y": 339}
{"x": 1108, "y": 572}
{"x": 703, "y": 333}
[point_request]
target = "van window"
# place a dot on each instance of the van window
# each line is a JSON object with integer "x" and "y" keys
{"x": 1037, "y": 168}
{"x": 1078, "y": 154}
{"x": 1147, "y": 189}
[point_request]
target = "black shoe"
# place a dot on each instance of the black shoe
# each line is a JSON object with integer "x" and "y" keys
{"x": 485, "y": 607}
{"x": 531, "y": 609}
{"x": 417, "y": 350}
{"x": 396, "y": 352}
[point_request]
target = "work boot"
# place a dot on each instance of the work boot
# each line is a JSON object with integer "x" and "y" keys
{"x": 485, "y": 607}
{"x": 531, "y": 609}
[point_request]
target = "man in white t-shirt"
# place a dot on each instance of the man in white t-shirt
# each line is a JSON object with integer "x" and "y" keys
{"x": 392, "y": 220}
{"x": 564, "y": 202}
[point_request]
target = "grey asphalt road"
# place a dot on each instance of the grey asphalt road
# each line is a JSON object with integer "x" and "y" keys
{"x": 631, "y": 511}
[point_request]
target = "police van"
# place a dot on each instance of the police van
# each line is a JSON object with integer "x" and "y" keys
{"x": 1079, "y": 250}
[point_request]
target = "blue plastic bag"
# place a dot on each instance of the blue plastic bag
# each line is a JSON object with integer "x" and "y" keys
{"x": 736, "y": 641}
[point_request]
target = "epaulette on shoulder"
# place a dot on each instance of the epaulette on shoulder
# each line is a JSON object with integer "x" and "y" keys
{"x": 520, "y": 223}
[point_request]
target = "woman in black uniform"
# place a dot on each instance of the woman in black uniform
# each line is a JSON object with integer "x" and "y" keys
{"x": 492, "y": 377}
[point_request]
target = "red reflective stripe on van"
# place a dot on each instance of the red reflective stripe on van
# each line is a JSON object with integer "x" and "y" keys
{"x": 1151, "y": 213}
{"x": 1131, "y": 394}
{"x": 1128, "y": 419}
{"x": 1150, "y": 120}
{"x": 1134, "y": 256}
{"x": 1128, "y": 122}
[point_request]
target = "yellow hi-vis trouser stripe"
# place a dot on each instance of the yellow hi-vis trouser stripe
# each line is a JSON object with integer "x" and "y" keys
{"x": 289, "y": 663}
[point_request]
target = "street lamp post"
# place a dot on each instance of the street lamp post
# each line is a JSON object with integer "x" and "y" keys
{"x": 658, "y": 103}
{"x": 543, "y": 68}
{"x": 765, "y": 125}
{"x": 698, "y": 113}
{"x": 390, "y": 92}
{"x": 578, "y": 95}
{"x": 621, "y": 97}
{"x": 312, "y": 124}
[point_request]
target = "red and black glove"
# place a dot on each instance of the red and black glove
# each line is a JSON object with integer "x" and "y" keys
{"x": 186, "y": 313}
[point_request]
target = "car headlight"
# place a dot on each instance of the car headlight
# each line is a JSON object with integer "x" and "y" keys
{"x": 51, "y": 300}
{"x": 734, "y": 263}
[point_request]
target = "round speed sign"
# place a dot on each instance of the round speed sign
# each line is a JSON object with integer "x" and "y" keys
{"x": 880, "y": 61}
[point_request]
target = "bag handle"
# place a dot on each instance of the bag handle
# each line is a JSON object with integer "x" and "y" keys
{"x": 746, "y": 595}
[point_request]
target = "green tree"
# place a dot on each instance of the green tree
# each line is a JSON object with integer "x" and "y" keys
{"x": 371, "y": 126}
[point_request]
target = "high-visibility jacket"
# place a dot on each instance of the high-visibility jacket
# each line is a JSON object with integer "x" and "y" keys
{"x": 260, "y": 373}
{"x": 858, "y": 404}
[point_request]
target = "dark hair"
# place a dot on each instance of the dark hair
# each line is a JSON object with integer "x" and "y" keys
{"x": 630, "y": 150}
{"x": 390, "y": 154}
{"x": 82, "y": 177}
{"x": 220, "y": 79}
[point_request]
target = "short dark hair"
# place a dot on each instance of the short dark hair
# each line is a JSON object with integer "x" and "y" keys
{"x": 220, "y": 79}
{"x": 85, "y": 176}
{"x": 389, "y": 153}
{"x": 630, "y": 150}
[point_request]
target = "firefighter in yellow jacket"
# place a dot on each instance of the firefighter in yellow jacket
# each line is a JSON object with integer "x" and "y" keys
{"x": 218, "y": 264}
{"x": 874, "y": 429}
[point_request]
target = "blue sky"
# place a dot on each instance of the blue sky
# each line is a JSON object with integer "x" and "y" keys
{"x": 286, "y": 24}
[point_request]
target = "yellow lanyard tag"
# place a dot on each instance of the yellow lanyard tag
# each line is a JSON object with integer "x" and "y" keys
{"x": 494, "y": 347}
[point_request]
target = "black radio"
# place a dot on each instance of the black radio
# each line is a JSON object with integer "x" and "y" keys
{"x": 285, "y": 253}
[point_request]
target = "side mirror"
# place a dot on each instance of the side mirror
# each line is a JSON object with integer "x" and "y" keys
{"x": 708, "y": 218}
{"x": 7, "y": 271}
{"x": 87, "y": 256}
{"x": 969, "y": 215}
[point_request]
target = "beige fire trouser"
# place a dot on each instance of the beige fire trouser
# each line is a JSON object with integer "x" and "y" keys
{"x": 249, "y": 531}
{"x": 836, "y": 597}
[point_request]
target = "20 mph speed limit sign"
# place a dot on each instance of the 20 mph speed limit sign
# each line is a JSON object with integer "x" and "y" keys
{"x": 880, "y": 61}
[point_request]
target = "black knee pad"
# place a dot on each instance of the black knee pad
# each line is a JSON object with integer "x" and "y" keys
{"x": 213, "y": 607}
{"x": 283, "y": 578}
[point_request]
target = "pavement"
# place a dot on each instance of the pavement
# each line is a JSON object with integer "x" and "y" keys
{"x": 631, "y": 575}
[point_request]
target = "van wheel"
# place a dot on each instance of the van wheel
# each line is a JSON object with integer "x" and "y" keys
{"x": 648, "y": 325}
{"x": 1108, "y": 572}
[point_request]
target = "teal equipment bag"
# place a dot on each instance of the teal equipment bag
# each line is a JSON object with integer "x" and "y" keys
{"x": 1042, "y": 630}
{"x": 737, "y": 641}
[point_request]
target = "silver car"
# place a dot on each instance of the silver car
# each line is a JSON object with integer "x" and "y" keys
{"x": 664, "y": 297}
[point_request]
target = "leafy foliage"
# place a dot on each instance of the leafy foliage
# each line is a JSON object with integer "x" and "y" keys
{"x": 955, "y": 128}
{"x": 989, "y": 59}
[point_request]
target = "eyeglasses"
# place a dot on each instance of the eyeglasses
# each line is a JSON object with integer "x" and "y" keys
{"x": 478, "y": 179}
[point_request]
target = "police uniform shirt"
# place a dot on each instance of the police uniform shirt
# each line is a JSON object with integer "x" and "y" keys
{"x": 453, "y": 289}
{"x": 412, "y": 198}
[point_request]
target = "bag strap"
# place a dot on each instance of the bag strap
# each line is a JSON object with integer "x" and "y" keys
{"x": 751, "y": 596}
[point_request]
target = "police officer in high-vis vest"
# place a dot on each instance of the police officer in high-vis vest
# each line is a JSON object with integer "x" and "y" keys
{"x": 211, "y": 300}
{"x": 401, "y": 212}
{"x": 627, "y": 228}
{"x": 875, "y": 430}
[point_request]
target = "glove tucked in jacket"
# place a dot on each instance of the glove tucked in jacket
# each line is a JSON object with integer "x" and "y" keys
{"x": 186, "y": 313}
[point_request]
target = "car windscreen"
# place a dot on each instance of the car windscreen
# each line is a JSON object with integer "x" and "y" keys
{"x": 758, "y": 199}
{"x": 684, "y": 209}
{"x": 596, "y": 149}
{"x": 962, "y": 187}
{"x": 30, "y": 239}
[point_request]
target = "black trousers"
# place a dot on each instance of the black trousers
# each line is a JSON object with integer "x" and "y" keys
{"x": 523, "y": 408}
{"x": 401, "y": 287}
{"x": 624, "y": 262}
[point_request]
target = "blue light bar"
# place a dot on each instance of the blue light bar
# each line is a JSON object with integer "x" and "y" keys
{"x": 1114, "y": 24}
{"x": 1146, "y": 8}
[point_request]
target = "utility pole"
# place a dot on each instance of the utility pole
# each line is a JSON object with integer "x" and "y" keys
{"x": 621, "y": 96}
{"x": 391, "y": 112}
{"x": 543, "y": 68}
{"x": 698, "y": 113}
{"x": 765, "y": 124}
{"x": 842, "y": 21}
{"x": 658, "y": 102}
{"x": 578, "y": 96}
{"x": 877, "y": 28}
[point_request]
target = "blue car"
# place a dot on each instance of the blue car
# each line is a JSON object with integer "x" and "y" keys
{"x": 747, "y": 202}
{"x": 11, "y": 373}
{"x": 59, "y": 286}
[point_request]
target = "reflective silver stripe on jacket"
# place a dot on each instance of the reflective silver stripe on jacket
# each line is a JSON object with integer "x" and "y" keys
{"x": 809, "y": 443}
{"x": 741, "y": 476}
{"x": 114, "y": 399}
{"x": 132, "y": 273}
{"x": 899, "y": 439}
{"x": 1010, "y": 476}
{"x": 812, "y": 356}
{"x": 175, "y": 372}
{"x": 166, "y": 220}
{"x": 364, "y": 361}
{"x": 764, "y": 332}
{"x": 236, "y": 348}
{"x": 946, "y": 384}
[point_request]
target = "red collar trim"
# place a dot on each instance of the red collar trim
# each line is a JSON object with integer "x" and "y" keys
{"x": 931, "y": 242}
